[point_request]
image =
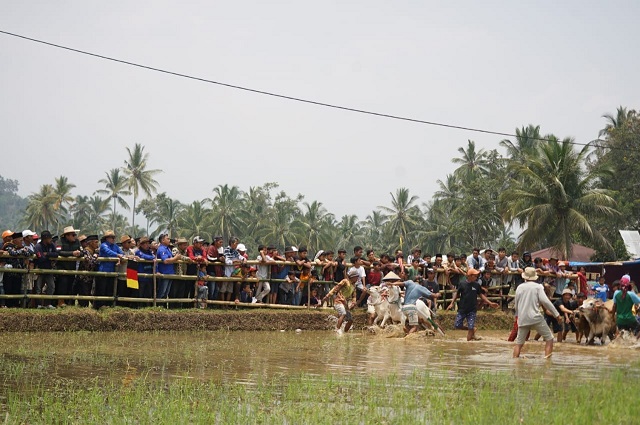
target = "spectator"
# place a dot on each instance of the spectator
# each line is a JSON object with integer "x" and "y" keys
{"x": 145, "y": 284}
{"x": 178, "y": 266}
{"x": 474, "y": 261}
{"x": 361, "y": 283}
{"x": 46, "y": 253}
{"x": 198, "y": 256}
{"x": 215, "y": 268}
{"x": 246, "y": 296}
{"x": 413, "y": 271}
{"x": 201, "y": 284}
{"x": 468, "y": 292}
{"x": 278, "y": 272}
{"x": 108, "y": 249}
{"x": 89, "y": 255}
{"x": 127, "y": 246}
{"x": 582, "y": 281}
{"x": 232, "y": 260}
{"x": 328, "y": 271}
{"x": 70, "y": 247}
{"x": 286, "y": 288}
{"x": 264, "y": 262}
{"x": 3, "y": 267}
{"x": 601, "y": 289}
{"x": 13, "y": 281}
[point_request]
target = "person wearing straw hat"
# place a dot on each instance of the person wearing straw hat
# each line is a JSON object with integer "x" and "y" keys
{"x": 530, "y": 296}
{"x": 70, "y": 247}
{"x": 413, "y": 292}
{"x": 345, "y": 300}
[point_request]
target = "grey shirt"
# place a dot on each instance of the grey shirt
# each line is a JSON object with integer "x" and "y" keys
{"x": 529, "y": 297}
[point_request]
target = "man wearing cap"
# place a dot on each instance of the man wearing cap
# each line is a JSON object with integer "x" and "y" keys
{"x": 468, "y": 292}
{"x": 198, "y": 255}
{"x": 45, "y": 252}
{"x": 108, "y": 249}
{"x": 89, "y": 255}
{"x": 565, "y": 306}
{"x": 70, "y": 247}
{"x": 624, "y": 300}
{"x": 530, "y": 296}
{"x": 345, "y": 300}
{"x": 13, "y": 281}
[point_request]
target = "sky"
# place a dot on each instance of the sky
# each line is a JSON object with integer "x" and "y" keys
{"x": 495, "y": 65}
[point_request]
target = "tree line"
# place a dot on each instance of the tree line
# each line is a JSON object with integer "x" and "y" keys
{"x": 559, "y": 192}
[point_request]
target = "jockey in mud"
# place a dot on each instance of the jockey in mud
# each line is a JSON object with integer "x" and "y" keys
{"x": 413, "y": 292}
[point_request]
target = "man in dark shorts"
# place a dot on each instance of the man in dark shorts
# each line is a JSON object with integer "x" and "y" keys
{"x": 468, "y": 292}
{"x": 565, "y": 306}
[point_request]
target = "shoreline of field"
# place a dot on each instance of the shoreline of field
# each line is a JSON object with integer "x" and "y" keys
{"x": 72, "y": 319}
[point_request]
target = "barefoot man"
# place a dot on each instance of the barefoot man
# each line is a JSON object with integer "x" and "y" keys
{"x": 468, "y": 292}
{"x": 530, "y": 296}
{"x": 345, "y": 299}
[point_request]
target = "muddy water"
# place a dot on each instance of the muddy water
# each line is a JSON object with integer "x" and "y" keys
{"x": 247, "y": 357}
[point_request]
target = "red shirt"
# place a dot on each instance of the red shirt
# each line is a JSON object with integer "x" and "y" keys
{"x": 583, "y": 283}
{"x": 374, "y": 278}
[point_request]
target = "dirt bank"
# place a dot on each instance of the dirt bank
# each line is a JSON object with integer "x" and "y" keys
{"x": 121, "y": 319}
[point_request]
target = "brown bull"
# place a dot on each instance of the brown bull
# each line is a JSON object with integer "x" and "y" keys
{"x": 582, "y": 326}
{"x": 602, "y": 321}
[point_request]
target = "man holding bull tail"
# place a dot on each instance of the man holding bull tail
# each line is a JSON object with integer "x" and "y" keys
{"x": 530, "y": 296}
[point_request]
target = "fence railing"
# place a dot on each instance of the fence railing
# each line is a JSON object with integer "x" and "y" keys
{"x": 25, "y": 296}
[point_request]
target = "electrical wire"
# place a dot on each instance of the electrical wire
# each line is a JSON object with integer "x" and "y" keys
{"x": 298, "y": 99}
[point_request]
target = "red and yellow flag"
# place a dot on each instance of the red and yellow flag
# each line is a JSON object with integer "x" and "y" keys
{"x": 132, "y": 274}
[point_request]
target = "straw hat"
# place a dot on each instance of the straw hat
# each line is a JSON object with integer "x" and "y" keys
{"x": 124, "y": 238}
{"x": 69, "y": 229}
{"x": 182, "y": 240}
{"x": 82, "y": 238}
{"x": 391, "y": 276}
{"x": 529, "y": 274}
{"x": 108, "y": 233}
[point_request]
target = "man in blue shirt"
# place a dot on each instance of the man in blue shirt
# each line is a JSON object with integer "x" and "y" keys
{"x": 413, "y": 292}
{"x": 165, "y": 266}
{"x": 108, "y": 249}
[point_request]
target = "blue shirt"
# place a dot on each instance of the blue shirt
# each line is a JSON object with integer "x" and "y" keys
{"x": 413, "y": 291}
{"x": 601, "y": 291}
{"x": 164, "y": 253}
{"x": 110, "y": 250}
{"x": 634, "y": 297}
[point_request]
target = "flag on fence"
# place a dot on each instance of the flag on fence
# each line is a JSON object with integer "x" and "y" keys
{"x": 132, "y": 274}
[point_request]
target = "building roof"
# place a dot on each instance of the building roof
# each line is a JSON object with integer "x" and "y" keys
{"x": 579, "y": 253}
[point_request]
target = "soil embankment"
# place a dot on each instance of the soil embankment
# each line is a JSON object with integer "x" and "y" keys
{"x": 122, "y": 319}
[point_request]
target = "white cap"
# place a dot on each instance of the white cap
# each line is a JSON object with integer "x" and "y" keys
{"x": 294, "y": 248}
{"x": 241, "y": 247}
{"x": 27, "y": 232}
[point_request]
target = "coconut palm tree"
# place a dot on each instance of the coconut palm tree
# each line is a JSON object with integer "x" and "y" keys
{"x": 622, "y": 115}
{"x": 525, "y": 145}
{"x": 403, "y": 217}
{"x": 166, "y": 214}
{"x": 349, "y": 231}
{"x": 473, "y": 163}
{"x": 147, "y": 208}
{"x": 313, "y": 224}
{"x": 41, "y": 212}
{"x": 62, "y": 189}
{"x": 227, "y": 210}
{"x": 277, "y": 227}
{"x": 557, "y": 198}
{"x": 115, "y": 188}
{"x": 138, "y": 177}
{"x": 372, "y": 227}
{"x": 195, "y": 219}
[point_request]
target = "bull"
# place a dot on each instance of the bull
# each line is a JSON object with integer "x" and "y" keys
{"x": 600, "y": 317}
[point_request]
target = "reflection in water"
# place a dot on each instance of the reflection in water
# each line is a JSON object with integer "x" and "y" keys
{"x": 249, "y": 357}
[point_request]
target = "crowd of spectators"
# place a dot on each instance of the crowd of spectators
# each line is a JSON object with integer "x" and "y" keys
{"x": 268, "y": 276}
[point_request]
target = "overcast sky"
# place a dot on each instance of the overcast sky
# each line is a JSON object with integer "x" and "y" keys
{"x": 493, "y": 65}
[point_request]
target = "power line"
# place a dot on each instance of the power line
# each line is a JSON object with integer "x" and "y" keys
{"x": 292, "y": 98}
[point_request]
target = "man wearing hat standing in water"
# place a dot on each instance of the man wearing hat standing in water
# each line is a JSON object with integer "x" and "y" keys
{"x": 468, "y": 292}
{"x": 530, "y": 296}
{"x": 345, "y": 300}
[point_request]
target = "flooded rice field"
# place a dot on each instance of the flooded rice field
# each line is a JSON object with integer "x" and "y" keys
{"x": 247, "y": 357}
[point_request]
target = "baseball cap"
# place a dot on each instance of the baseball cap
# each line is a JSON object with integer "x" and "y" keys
{"x": 241, "y": 247}
{"x": 197, "y": 239}
{"x": 27, "y": 232}
{"x": 472, "y": 272}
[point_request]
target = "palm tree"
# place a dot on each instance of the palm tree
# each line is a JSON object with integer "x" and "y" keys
{"x": 62, "y": 189}
{"x": 147, "y": 208}
{"x": 116, "y": 189}
{"x": 403, "y": 216}
{"x": 227, "y": 207}
{"x": 622, "y": 115}
{"x": 41, "y": 212}
{"x": 449, "y": 191}
{"x": 526, "y": 143}
{"x": 313, "y": 224}
{"x": 277, "y": 227}
{"x": 349, "y": 231}
{"x": 138, "y": 177}
{"x": 372, "y": 226}
{"x": 472, "y": 163}
{"x": 557, "y": 198}
{"x": 166, "y": 214}
{"x": 98, "y": 208}
{"x": 195, "y": 219}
